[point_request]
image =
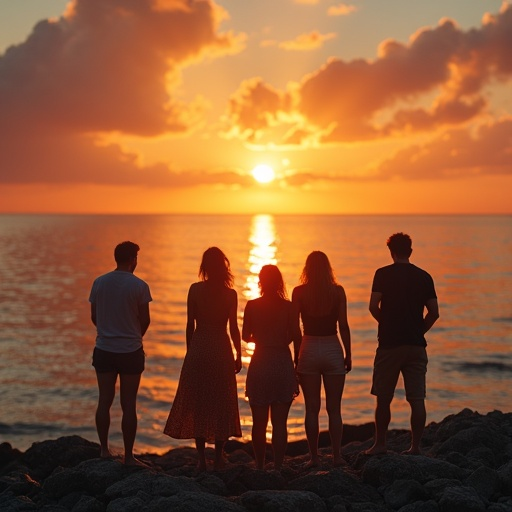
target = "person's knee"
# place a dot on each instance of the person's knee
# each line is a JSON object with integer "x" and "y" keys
{"x": 417, "y": 404}
{"x": 105, "y": 400}
{"x": 312, "y": 408}
{"x": 333, "y": 410}
{"x": 384, "y": 400}
{"x": 128, "y": 405}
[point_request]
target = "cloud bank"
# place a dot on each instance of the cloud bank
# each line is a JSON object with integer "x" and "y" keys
{"x": 435, "y": 83}
{"x": 105, "y": 66}
{"x": 113, "y": 66}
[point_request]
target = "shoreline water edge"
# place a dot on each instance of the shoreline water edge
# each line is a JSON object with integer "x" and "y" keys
{"x": 465, "y": 465}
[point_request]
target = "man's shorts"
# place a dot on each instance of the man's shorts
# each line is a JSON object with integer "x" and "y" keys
{"x": 411, "y": 361}
{"x": 130, "y": 363}
{"x": 321, "y": 355}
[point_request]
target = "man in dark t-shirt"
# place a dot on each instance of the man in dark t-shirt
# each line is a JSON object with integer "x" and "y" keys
{"x": 400, "y": 294}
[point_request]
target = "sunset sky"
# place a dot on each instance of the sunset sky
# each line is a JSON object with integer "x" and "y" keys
{"x": 156, "y": 106}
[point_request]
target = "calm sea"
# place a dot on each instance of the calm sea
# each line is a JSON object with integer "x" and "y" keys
{"x": 47, "y": 265}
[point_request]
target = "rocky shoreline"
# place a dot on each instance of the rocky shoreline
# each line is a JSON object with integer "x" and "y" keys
{"x": 466, "y": 466}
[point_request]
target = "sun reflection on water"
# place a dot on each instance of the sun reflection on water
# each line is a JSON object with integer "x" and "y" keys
{"x": 262, "y": 252}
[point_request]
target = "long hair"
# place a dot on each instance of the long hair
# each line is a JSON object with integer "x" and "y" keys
{"x": 320, "y": 283}
{"x": 271, "y": 281}
{"x": 215, "y": 268}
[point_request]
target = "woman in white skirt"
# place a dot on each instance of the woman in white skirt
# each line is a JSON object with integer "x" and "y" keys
{"x": 320, "y": 304}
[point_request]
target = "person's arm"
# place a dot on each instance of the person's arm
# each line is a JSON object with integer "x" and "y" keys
{"x": 234, "y": 332}
{"x": 247, "y": 323}
{"x": 432, "y": 314}
{"x": 93, "y": 313}
{"x": 345, "y": 329}
{"x": 191, "y": 316}
{"x": 296, "y": 332}
{"x": 375, "y": 299}
{"x": 144, "y": 318}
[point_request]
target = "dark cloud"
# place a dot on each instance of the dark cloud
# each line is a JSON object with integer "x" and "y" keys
{"x": 104, "y": 66}
{"x": 455, "y": 153}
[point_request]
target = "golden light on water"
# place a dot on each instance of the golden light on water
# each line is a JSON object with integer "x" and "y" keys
{"x": 263, "y": 252}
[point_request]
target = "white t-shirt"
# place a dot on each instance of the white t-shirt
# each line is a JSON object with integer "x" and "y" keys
{"x": 117, "y": 296}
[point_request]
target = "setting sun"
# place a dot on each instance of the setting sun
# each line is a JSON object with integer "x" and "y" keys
{"x": 263, "y": 173}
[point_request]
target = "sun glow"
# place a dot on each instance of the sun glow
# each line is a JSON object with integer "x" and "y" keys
{"x": 263, "y": 173}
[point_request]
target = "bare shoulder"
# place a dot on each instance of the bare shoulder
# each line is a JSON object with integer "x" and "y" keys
{"x": 195, "y": 289}
{"x": 195, "y": 286}
{"x": 298, "y": 291}
{"x": 341, "y": 291}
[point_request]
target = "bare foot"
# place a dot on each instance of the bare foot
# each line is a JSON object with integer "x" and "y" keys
{"x": 132, "y": 461}
{"x": 201, "y": 467}
{"x": 314, "y": 462}
{"x": 412, "y": 451}
{"x": 106, "y": 453}
{"x": 376, "y": 450}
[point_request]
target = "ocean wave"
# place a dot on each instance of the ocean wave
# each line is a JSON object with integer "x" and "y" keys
{"x": 504, "y": 319}
{"x": 484, "y": 366}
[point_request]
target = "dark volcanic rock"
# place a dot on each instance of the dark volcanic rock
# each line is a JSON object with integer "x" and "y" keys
{"x": 466, "y": 466}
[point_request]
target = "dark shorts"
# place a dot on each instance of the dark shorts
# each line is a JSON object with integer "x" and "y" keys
{"x": 409, "y": 360}
{"x": 131, "y": 363}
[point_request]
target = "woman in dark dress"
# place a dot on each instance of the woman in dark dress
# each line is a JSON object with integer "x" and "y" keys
{"x": 271, "y": 382}
{"x": 205, "y": 407}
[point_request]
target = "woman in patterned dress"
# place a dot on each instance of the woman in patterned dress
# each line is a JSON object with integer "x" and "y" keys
{"x": 271, "y": 383}
{"x": 205, "y": 407}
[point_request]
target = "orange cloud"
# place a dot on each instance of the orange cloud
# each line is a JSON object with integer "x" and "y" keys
{"x": 104, "y": 66}
{"x": 455, "y": 64}
{"x": 341, "y": 10}
{"x": 365, "y": 100}
{"x": 488, "y": 151}
{"x": 255, "y": 107}
{"x": 306, "y": 42}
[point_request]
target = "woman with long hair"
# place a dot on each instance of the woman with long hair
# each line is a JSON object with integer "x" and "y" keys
{"x": 271, "y": 383}
{"x": 205, "y": 407}
{"x": 321, "y": 304}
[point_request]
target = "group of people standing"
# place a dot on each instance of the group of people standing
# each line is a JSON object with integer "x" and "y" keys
{"x": 314, "y": 323}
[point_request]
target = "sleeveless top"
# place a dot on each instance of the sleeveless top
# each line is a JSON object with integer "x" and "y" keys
{"x": 324, "y": 325}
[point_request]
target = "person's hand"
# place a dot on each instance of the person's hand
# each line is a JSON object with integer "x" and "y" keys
{"x": 238, "y": 363}
{"x": 348, "y": 364}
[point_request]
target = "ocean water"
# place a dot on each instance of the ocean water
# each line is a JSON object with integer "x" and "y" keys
{"x": 48, "y": 263}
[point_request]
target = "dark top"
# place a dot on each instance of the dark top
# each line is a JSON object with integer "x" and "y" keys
{"x": 324, "y": 325}
{"x": 405, "y": 290}
{"x": 269, "y": 322}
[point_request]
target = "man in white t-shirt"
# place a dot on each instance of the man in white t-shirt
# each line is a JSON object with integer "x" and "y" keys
{"x": 120, "y": 311}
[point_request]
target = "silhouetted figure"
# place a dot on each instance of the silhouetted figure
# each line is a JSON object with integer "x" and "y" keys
{"x": 321, "y": 303}
{"x": 400, "y": 294}
{"x": 205, "y": 407}
{"x": 271, "y": 383}
{"x": 120, "y": 311}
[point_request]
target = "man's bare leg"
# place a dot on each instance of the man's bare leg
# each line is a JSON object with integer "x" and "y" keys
{"x": 107, "y": 391}
{"x": 129, "y": 388}
{"x": 418, "y": 420}
{"x": 382, "y": 419}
